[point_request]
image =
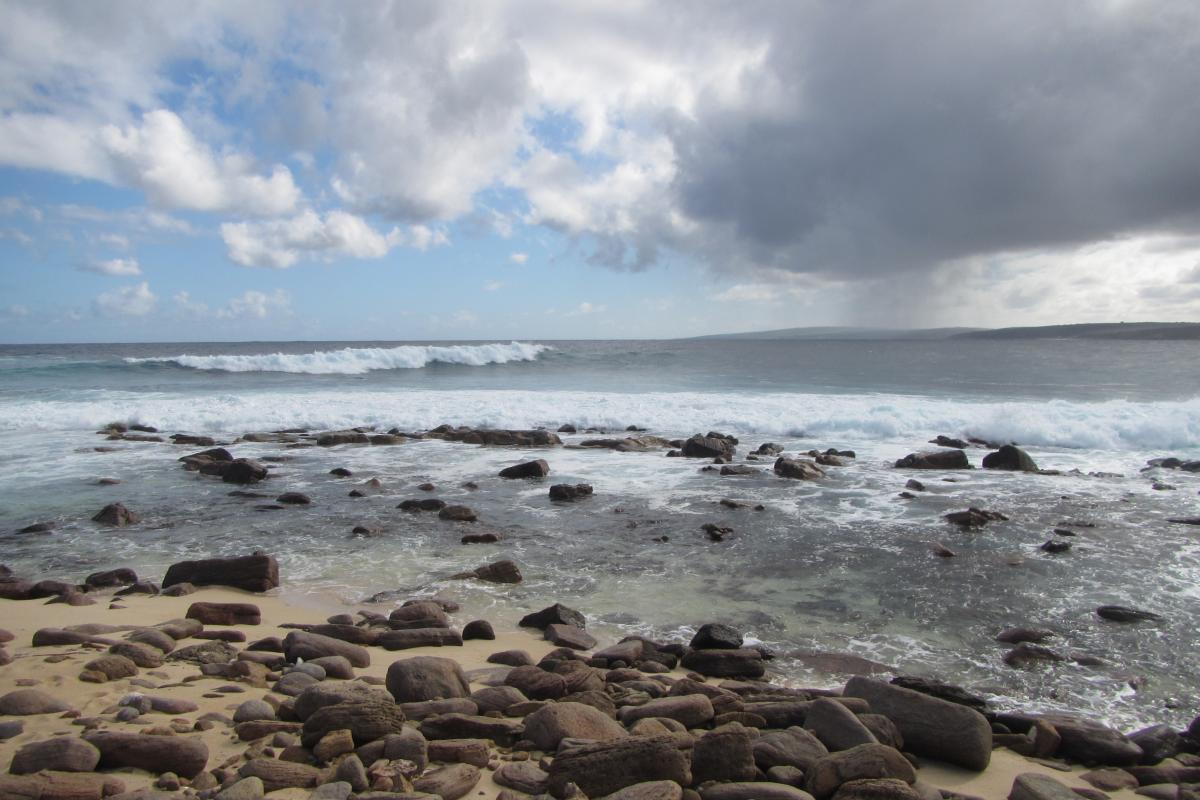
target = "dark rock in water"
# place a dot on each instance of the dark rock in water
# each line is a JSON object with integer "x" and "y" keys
{"x": 1085, "y": 741}
{"x": 294, "y": 499}
{"x": 557, "y": 614}
{"x": 195, "y": 441}
{"x": 741, "y": 663}
{"x": 495, "y": 438}
{"x": 1055, "y": 546}
{"x": 1157, "y": 742}
{"x": 335, "y": 438}
{"x": 566, "y": 428}
{"x": 936, "y": 459}
{"x": 366, "y": 530}
{"x": 1126, "y": 614}
{"x": 505, "y": 571}
{"x": 768, "y": 449}
{"x": 116, "y": 514}
{"x": 716, "y": 636}
{"x": 1185, "y": 520}
{"x": 458, "y": 514}
{"x": 38, "y": 527}
{"x": 427, "y": 487}
{"x": 529, "y": 469}
{"x": 368, "y": 488}
{"x": 798, "y": 469}
{"x": 842, "y": 664}
{"x": 943, "y": 691}
{"x": 1026, "y": 653}
{"x": 423, "y": 504}
{"x": 915, "y": 485}
{"x": 930, "y": 726}
{"x": 739, "y": 469}
{"x": 716, "y": 533}
{"x": 478, "y": 629}
{"x": 564, "y": 492}
{"x": 974, "y": 517}
{"x": 121, "y": 576}
{"x": 386, "y": 439}
{"x": 254, "y": 573}
{"x": 243, "y": 471}
{"x": 481, "y": 538}
{"x": 708, "y": 447}
{"x": 947, "y": 441}
{"x": 1010, "y": 458}
{"x": 941, "y": 551}
{"x": 1018, "y": 635}
{"x": 340, "y": 472}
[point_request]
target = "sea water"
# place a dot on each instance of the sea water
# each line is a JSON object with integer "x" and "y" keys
{"x": 841, "y": 565}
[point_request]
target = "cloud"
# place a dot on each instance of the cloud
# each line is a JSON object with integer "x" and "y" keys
{"x": 14, "y": 311}
{"x": 128, "y": 301}
{"x": 281, "y": 243}
{"x": 117, "y": 267}
{"x": 255, "y": 305}
{"x": 493, "y": 286}
{"x": 519, "y": 258}
{"x": 115, "y": 240}
{"x": 585, "y": 308}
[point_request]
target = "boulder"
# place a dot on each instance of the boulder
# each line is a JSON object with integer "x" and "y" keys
{"x": 224, "y": 613}
{"x": 862, "y": 762}
{"x": 117, "y": 515}
{"x": 758, "y": 790}
{"x": 253, "y": 573}
{"x": 930, "y": 726}
{"x": 469, "y": 726}
{"x": 740, "y": 663}
{"x": 529, "y": 469}
{"x": 458, "y": 514}
{"x": 1092, "y": 743}
{"x": 1035, "y": 786}
{"x": 122, "y": 576}
{"x": 605, "y": 767}
{"x": 61, "y": 753}
{"x": 242, "y": 471}
{"x": 28, "y": 702}
{"x": 366, "y": 721}
{"x": 836, "y": 726}
{"x": 112, "y": 667}
{"x": 1126, "y": 614}
{"x": 330, "y": 694}
{"x": 478, "y": 629}
{"x": 554, "y": 722}
{"x": 880, "y": 789}
{"x": 715, "y": 636}
{"x": 552, "y": 615}
{"x": 565, "y": 492}
{"x": 185, "y": 756}
{"x": 935, "y": 459}
{"x": 689, "y": 710}
{"x": 570, "y": 636}
{"x": 277, "y": 774}
{"x": 797, "y": 469}
{"x": 419, "y": 637}
{"x": 1010, "y": 457}
{"x": 724, "y": 754}
{"x": 699, "y": 446}
{"x": 522, "y": 776}
{"x": 51, "y": 785}
{"x": 426, "y": 678}
{"x": 306, "y": 645}
{"x": 449, "y": 783}
{"x": 537, "y": 684}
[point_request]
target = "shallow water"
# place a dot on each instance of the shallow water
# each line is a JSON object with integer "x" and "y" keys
{"x": 839, "y": 565}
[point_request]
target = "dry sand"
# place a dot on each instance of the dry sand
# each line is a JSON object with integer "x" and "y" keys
{"x": 42, "y": 668}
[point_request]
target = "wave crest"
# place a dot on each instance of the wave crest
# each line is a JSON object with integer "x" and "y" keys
{"x": 360, "y": 360}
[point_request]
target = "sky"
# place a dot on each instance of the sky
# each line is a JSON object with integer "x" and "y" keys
{"x": 532, "y": 169}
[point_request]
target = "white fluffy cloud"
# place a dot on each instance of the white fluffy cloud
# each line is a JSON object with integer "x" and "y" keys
{"x": 338, "y": 234}
{"x": 117, "y": 267}
{"x": 255, "y": 305}
{"x": 127, "y": 301}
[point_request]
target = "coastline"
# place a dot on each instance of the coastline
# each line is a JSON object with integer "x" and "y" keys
{"x": 31, "y": 667}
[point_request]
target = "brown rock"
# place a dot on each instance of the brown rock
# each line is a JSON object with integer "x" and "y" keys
{"x": 253, "y": 573}
{"x": 277, "y": 775}
{"x": 606, "y": 767}
{"x": 857, "y": 763}
{"x": 554, "y": 722}
{"x": 184, "y": 756}
{"x": 366, "y": 721}
{"x": 225, "y": 613}
{"x": 426, "y": 678}
{"x": 61, "y": 753}
{"x": 27, "y": 702}
{"x": 450, "y": 782}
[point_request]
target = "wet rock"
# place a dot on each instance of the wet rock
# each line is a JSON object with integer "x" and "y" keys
{"x": 942, "y": 690}
{"x": 458, "y": 514}
{"x": 340, "y": 472}
{"x": 565, "y": 492}
{"x": 935, "y": 459}
{"x": 424, "y": 504}
{"x": 61, "y": 753}
{"x": 974, "y": 517}
{"x": 478, "y": 629}
{"x": 504, "y": 571}
{"x": 306, "y": 645}
{"x": 716, "y": 636}
{"x": 1055, "y": 546}
{"x": 1035, "y": 786}
{"x": 798, "y": 469}
{"x": 1010, "y": 457}
{"x": 426, "y": 678}
{"x": 294, "y": 499}
{"x": 242, "y": 471}
{"x": 699, "y": 446}
{"x": 865, "y": 761}
{"x": 529, "y": 469}
{"x": 37, "y": 527}
{"x": 605, "y": 767}
{"x": 122, "y": 576}
{"x": 570, "y": 636}
{"x": 1018, "y": 635}
{"x": 335, "y": 438}
{"x": 1156, "y": 742}
{"x": 740, "y": 663}
{"x": 481, "y": 538}
{"x": 511, "y": 658}
{"x": 496, "y": 438}
{"x": 551, "y": 615}
{"x": 1126, "y": 614}
{"x": 28, "y": 702}
{"x": 185, "y": 756}
{"x": 930, "y": 726}
{"x": 253, "y": 573}
{"x": 1091, "y": 742}
{"x": 117, "y": 515}
{"x": 224, "y": 613}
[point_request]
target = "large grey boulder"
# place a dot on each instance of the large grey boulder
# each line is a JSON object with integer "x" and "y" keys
{"x": 554, "y": 722}
{"x": 858, "y": 763}
{"x": 426, "y": 678}
{"x": 605, "y": 767}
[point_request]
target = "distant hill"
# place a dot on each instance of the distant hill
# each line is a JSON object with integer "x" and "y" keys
{"x": 838, "y": 333}
{"x": 1099, "y": 330}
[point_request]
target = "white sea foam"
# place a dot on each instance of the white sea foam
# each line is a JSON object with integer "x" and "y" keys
{"x": 359, "y": 360}
{"x": 1115, "y": 425}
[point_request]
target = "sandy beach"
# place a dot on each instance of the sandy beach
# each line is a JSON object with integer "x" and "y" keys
{"x": 56, "y": 670}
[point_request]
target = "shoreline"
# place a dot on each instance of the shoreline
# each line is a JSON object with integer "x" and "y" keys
{"x": 30, "y": 667}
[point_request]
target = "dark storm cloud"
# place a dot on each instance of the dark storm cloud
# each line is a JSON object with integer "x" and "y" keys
{"x": 882, "y": 136}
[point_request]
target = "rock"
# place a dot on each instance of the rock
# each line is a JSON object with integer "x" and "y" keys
{"x": 1035, "y": 786}
{"x": 935, "y": 459}
{"x": 419, "y": 637}
{"x": 481, "y": 538}
{"x": 28, "y": 702}
{"x": 1126, "y": 614}
{"x": 153, "y": 637}
{"x": 122, "y": 576}
{"x": 537, "y": 684}
{"x": 224, "y": 613}
{"x": 112, "y": 667}
{"x": 450, "y": 783}
{"x": 478, "y": 629}
{"x": 930, "y": 726}
{"x": 116, "y": 514}
{"x": 522, "y": 776}
{"x": 505, "y": 571}
{"x": 715, "y": 636}
{"x": 570, "y": 636}
{"x": 565, "y": 492}
{"x": 724, "y": 754}
{"x": 1091, "y": 742}
{"x": 1011, "y": 458}
{"x": 708, "y": 447}
{"x": 458, "y": 514}
{"x": 37, "y": 527}
{"x": 253, "y": 573}
{"x": 366, "y": 721}
{"x": 61, "y": 753}
{"x": 914, "y": 484}
{"x": 740, "y": 663}
{"x": 276, "y": 774}
{"x": 335, "y": 438}
{"x": 242, "y": 471}
{"x": 552, "y": 723}
{"x": 214, "y": 652}
{"x": 426, "y": 678}
{"x": 557, "y": 614}
{"x": 179, "y": 590}
{"x": 1110, "y": 779}
{"x": 1156, "y": 742}
{"x": 184, "y": 756}
{"x": 306, "y": 645}
{"x": 690, "y": 710}
{"x": 330, "y": 694}
{"x": 469, "y": 726}
{"x": 476, "y": 752}
{"x": 336, "y": 667}
{"x": 759, "y": 790}
{"x": 11, "y": 729}
{"x": 529, "y": 469}
{"x": 797, "y": 469}
{"x": 836, "y": 726}
{"x": 880, "y": 789}
{"x": 60, "y": 786}
{"x": 294, "y": 499}
{"x": 606, "y": 767}
{"x": 1018, "y": 635}
{"x": 252, "y": 710}
{"x": 246, "y": 789}
{"x": 973, "y": 517}
{"x": 858, "y": 763}
{"x": 1027, "y": 653}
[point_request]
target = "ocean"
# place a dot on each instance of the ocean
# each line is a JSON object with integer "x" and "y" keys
{"x": 843, "y": 565}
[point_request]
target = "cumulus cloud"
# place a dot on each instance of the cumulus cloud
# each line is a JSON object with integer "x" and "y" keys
{"x": 281, "y": 243}
{"x": 255, "y": 305}
{"x": 519, "y": 258}
{"x": 127, "y": 301}
{"x": 493, "y": 286}
{"x": 117, "y": 267}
